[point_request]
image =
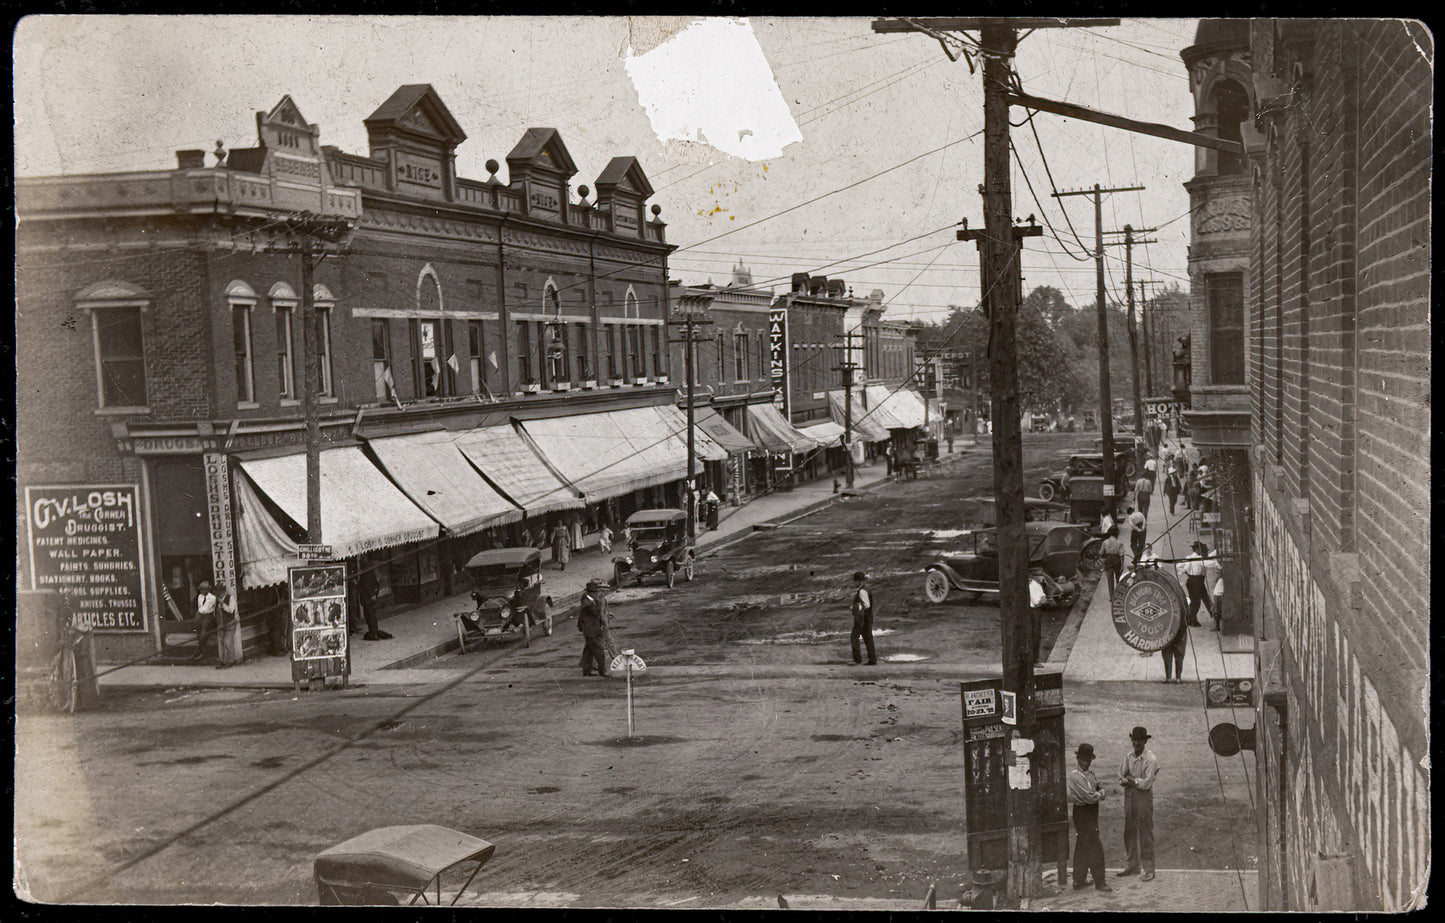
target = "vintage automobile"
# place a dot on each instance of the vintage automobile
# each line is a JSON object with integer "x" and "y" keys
{"x": 1090, "y": 464}
{"x": 507, "y": 590}
{"x": 396, "y": 865}
{"x": 1054, "y": 550}
{"x": 659, "y": 544}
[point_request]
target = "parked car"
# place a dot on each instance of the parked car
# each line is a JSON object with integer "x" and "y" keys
{"x": 507, "y": 590}
{"x": 1054, "y": 549}
{"x": 659, "y": 545}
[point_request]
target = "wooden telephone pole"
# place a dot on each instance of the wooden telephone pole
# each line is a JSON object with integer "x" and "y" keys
{"x": 691, "y": 307}
{"x": 1129, "y": 243}
{"x": 847, "y": 366}
{"x": 1001, "y": 283}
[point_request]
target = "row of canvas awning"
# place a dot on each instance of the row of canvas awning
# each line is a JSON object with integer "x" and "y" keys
{"x": 415, "y": 484}
{"x": 825, "y": 432}
{"x": 865, "y": 426}
{"x": 774, "y": 433}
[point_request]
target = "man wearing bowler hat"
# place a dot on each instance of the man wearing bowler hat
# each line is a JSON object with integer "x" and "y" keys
{"x": 1136, "y": 775}
{"x": 592, "y": 622}
{"x": 1085, "y": 793}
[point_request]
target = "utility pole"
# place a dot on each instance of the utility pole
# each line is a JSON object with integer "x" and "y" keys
{"x": 311, "y": 231}
{"x": 1129, "y": 243}
{"x": 1001, "y": 281}
{"x": 847, "y": 367}
{"x": 691, "y": 306}
{"x": 1106, "y": 408}
{"x": 1148, "y": 340}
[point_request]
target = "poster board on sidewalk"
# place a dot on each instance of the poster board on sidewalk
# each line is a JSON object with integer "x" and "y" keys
{"x": 319, "y": 638}
{"x": 985, "y": 769}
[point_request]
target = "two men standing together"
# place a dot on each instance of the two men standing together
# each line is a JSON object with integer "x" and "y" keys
{"x": 1136, "y": 777}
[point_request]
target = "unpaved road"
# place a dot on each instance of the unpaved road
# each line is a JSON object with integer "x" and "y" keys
{"x": 763, "y": 761}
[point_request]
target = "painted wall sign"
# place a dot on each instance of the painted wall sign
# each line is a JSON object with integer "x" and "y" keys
{"x": 419, "y": 171}
{"x": 319, "y": 640}
{"x": 1229, "y": 693}
{"x": 1148, "y": 608}
{"x": 778, "y": 364}
{"x": 85, "y": 543}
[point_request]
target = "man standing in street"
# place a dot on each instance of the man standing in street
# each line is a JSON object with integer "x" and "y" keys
{"x": 1085, "y": 793}
{"x": 1112, "y": 551}
{"x": 1136, "y": 775}
{"x": 592, "y": 622}
{"x": 1193, "y": 571}
{"x": 862, "y": 619}
{"x": 1143, "y": 488}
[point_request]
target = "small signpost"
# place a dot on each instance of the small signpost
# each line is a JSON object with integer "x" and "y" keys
{"x": 314, "y": 552}
{"x": 628, "y": 662}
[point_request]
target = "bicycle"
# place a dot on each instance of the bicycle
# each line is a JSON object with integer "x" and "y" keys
{"x": 64, "y": 677}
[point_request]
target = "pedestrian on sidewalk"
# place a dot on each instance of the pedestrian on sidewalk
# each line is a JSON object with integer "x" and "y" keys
{"x": 1191, "y": 488}
{"x": 1174, "y": 655}
{"x": 1171, "y": 488}
{"x": 1193, "y": 571}
{"x": 1085, "y": 793}
{"x": 228, "y": 628}
{"x": 592, "y": 622}
{"x": 713, "y": 503}
{"x": 205, "y": 620}
{"x": 1138, "y": 529}
{"x": 1218, "y": 601}
{"x": 1113, "y": 554}
{"x": 365, "y": 602}
{"x": 1136, "y": 775}
{"x": 605, "y": 539}
{"x": 1142, "y": 490}
{"x": 561, "y": 545}
{"x": 862, "y": 619}
{"x": 1206, "y": 489}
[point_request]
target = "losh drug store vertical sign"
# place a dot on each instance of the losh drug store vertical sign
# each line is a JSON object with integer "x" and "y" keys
{"x": 85, "y": 542}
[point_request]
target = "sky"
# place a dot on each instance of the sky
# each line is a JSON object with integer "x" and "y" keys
{"x": 792, "y": 144}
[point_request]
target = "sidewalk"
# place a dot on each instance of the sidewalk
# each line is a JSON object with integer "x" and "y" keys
{"x": 1099, "y": 653}
{"x": 428, "y": 631}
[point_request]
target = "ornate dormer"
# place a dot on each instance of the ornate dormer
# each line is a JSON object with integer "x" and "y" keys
{"x": 540, "y": 167}
{"x": 288, "y": 155}
{"x": 417, "y": 137}
{"x": 622, "y": 189}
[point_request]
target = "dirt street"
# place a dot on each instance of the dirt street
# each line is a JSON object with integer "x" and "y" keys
{"x": 763, "y": 761}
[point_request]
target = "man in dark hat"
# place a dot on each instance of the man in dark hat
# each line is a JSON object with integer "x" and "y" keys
{"x": 1085, "y": 793}
{"x": 592, "y": 622}
{"x": 1193, "y": 571}
{"x": 1137, "y": 775}
{"x": 205, "y": 622}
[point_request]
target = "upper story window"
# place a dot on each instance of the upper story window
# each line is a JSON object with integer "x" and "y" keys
{"x": 242, "y": 300}
{"x": 740, "y": 356}
{"x": 283, "y": 306}
{"x": 324, "y": 302}
{"x": 118, "y": 337}
{"x": 381, "y": 359}
{"x": 1231, "y": 107}
{"x": 1224, "y": 294}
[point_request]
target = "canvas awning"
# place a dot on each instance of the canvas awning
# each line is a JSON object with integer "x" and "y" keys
{"x": 721, "y": 431}
{"x": 505, "y": 460}
{"x": 360, "y": 509}
{"x": 436, "y": 476}
{"x": 774, "y": 433}
{"x": 894, "y": 409}
{"x": 703, "y": 445}
{"x": 610, "y": 453}
{"x": 263, "y": 549}
{"x": 824, "y": 431}
{"x": 864, "y": 427}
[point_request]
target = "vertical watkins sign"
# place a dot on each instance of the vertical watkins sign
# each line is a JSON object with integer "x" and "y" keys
{"x": 85, "y": 542}
{"x": 778, "y": 369}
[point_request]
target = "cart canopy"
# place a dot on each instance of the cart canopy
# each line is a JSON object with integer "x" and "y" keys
{"x": 408, "y": 857}
{"x": 508, "y": 557}
{"x": 653, "y": 517}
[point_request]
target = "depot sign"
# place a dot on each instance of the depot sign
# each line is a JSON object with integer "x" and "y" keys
{"x": 1148, "y": 608}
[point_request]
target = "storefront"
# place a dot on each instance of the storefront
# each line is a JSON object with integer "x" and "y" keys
{"x": 728, "y": 477}
{"x": 829, "y": 458}
{"x": 783, "y": 442}
{"x": 868, "y": 436}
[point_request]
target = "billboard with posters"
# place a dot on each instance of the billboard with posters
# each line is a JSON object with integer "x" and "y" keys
{"x": 319, "y": 639}
{"x": 85, "y": 543}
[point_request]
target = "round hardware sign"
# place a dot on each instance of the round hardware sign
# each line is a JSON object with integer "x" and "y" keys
{"x": 1148, "y": 608}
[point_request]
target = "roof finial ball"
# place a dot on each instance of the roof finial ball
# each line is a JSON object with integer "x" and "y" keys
{"x": 582, "y": 192}
{"x": 656, "y": 210}
{"x": 493, "y": 167}
{"x": 219, "y": 153}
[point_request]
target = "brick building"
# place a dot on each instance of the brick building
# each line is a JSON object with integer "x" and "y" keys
{"x": 1336, "y": 285}
{"x": 468, "y": 332}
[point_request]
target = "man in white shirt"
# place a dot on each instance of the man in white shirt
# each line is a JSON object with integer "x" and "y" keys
{"x": 1193, "y": 572}
{"x": 862, "y": 620}
{"x": 205, "y": 619}
{"x": 1137, "y": 533}
{"x": 1137, "y": 774}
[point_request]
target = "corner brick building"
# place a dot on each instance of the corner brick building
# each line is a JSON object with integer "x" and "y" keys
{"x": 469, "y": 331}
{"x": 1335, "y": 274}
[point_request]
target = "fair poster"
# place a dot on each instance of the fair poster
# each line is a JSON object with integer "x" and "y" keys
{"x": 319, "y": 640}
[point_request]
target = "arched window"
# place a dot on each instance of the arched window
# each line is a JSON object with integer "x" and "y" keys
{"x": 1231, "y": 107}
{"x": 118, "y": 338}
{"x": 242, "y": 299}
{"x": 283, "y": 306}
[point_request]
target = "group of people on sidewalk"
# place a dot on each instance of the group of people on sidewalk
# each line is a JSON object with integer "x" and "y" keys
{"x": 1137, "y": 773}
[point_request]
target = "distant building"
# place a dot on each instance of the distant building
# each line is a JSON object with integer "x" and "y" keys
{"x": 466, "y": 328}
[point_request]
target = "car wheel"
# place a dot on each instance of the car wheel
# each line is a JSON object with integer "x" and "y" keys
{"x": 668, "y": 572}
{"x": 687, "y": 569}
{"x": 1131, "y": 468}
{"x": 935, "y": 585}
{"x": 1090, "y": 555}
{"x": 1046, "y": 490}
